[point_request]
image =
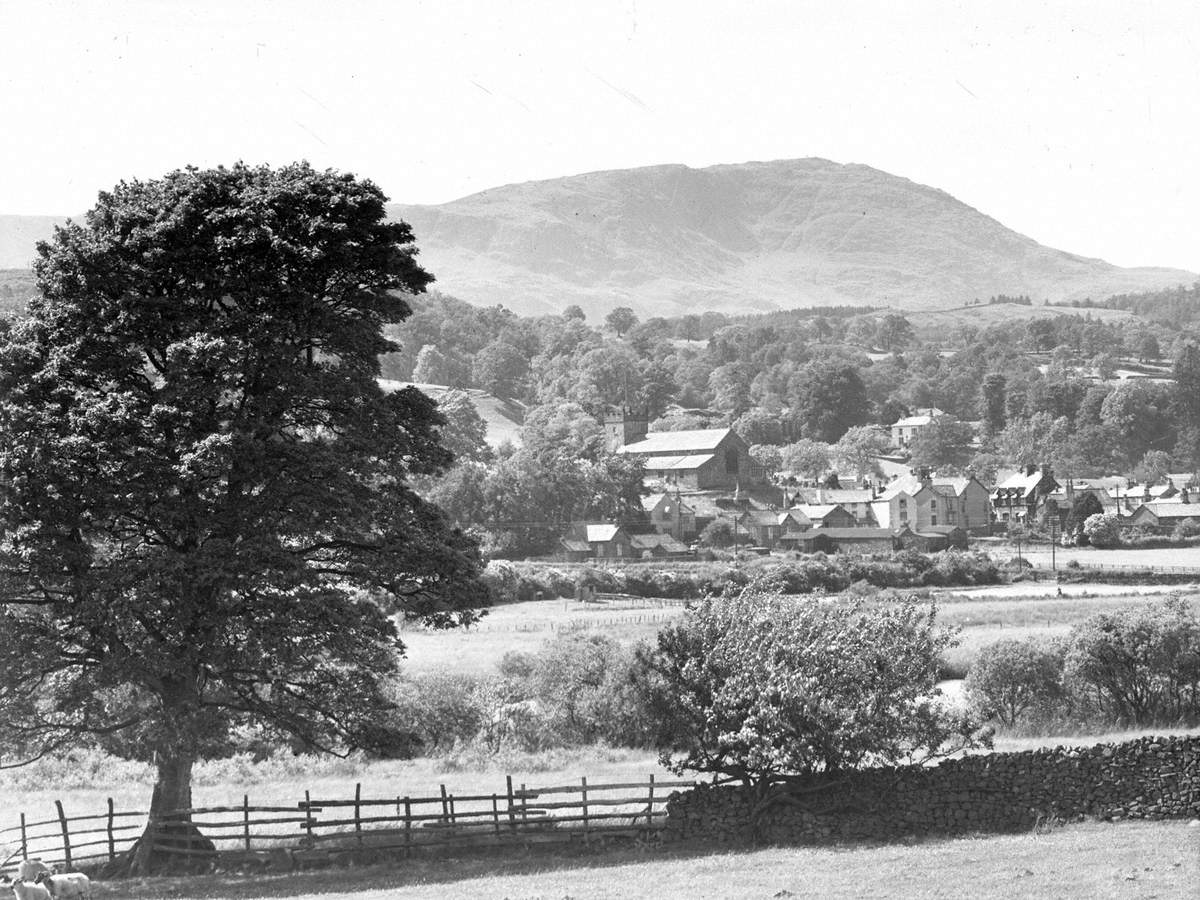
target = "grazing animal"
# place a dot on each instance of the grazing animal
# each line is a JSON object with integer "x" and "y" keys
{"x": 24, "y": 890}
{"x": 31, "y": 868}
{"x": 72, "y": 884}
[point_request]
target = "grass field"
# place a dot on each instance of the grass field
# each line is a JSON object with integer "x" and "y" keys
{"x": 986, "y": 614}
{"x": 1086, "y": 860}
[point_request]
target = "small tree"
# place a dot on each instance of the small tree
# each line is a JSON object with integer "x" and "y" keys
{"x": 621, "y": 320}
{"x": 759, "y": 686}
{"x": 1140, "y": 665}
{"x": 1102, "y": 530}
{"x": 808, "y": 459}
{"x": 1010, "y": 677}
{"x": 718, "y": 533}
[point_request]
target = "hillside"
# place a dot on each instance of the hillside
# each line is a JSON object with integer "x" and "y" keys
{"x": 503, "y": 418}
{"x": 743, "y": 238}
{"x": 20, "y": 234}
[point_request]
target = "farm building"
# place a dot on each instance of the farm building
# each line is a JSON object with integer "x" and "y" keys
{"x": 1166, "y": 515}
{"x": 596, "y": 540}
{"x": 825, "y": 515}
{"x": 697, "y": 460}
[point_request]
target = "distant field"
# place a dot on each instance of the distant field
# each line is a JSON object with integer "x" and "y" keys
{"x": 526, "y": 627}
{"x": 935, "y": 324}
{"x": 1039, "y": 555}
{"x": 985, "y": 614}
{"x": 1085, "y": 860}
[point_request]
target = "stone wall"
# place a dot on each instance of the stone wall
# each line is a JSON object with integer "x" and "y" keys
{"x": 1150, "y": 778}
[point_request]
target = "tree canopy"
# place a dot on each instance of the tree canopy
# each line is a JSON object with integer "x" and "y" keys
{"x": 761, "y": 685}
{"x": 206, "y": 518}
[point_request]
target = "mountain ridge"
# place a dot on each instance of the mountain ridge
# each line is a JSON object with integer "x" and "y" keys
{"x": 743, "y": 237}
{"x": 736, "y": 237}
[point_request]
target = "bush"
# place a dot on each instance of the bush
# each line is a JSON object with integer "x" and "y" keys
{"x": 759, "y": 685}
{"x": 1011, "y": 677}
{"x": 1140, "y": 665}
{"x": 1102, "y": 530}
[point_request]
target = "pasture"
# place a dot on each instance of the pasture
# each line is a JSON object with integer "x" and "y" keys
{"x": 985, "y": 614}
{"x": 1131, "y": 859}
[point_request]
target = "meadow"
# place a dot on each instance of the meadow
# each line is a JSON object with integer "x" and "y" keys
{"x": 1131, "y": 859}
{"x": 985, "y": 615}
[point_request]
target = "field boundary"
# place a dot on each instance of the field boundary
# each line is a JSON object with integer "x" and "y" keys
{"x": 323, "y": 829}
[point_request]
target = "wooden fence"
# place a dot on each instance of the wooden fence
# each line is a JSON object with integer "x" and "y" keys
{"x": 324, "y": 828}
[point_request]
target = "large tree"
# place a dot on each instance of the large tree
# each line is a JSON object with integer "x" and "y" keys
{"x": 205, "y": 517}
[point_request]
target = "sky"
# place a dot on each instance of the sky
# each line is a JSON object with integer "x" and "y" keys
{"x": 1075, "y": 123}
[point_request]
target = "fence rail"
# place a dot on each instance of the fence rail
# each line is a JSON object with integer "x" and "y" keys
{"x": 326, "y": 827}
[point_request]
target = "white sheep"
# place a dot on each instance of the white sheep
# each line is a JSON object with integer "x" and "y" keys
{"x": 31, "y": 868}
{"x": 72, "y": 884}
{"x": 24, "y": 890}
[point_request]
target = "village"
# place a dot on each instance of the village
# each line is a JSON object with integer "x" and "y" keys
{"x": 695, "y": 479}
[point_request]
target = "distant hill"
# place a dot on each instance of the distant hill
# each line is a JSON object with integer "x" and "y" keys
{"x": 20, "y": 234}
{"x": 747, "y": 238}
{"x": 503, "y": 418}
{"x": 743, "y": 238}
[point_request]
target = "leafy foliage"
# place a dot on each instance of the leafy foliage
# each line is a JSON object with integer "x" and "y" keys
{"x": 1011, "y": 677}
{"x": 1140, "y": 665}
{"x": 757, "y": 685}
{"x": 205, "y": 504}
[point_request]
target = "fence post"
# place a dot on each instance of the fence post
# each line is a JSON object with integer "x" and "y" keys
{"x": 357, "y": 811}
{"x": 524, "y": 804}
{"x": 246, "y": 819}
{"x": 512, "y": 816}
{"x": 586, "y": 836}
{"x": 445, "y": 807}
{"x": 308, "y": 819}
{"x": 453, "y": 818}
{"x": 496, "y": 812}
{"x": 62, "y": 819}
{"x": 112, "y": 848}
{"x": 407, "y": 828}
{"x": 24, "y": 840}
{"x": 650, "y": 806}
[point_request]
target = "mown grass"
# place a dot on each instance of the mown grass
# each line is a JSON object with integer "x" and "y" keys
{"x": 1084, "y": 860}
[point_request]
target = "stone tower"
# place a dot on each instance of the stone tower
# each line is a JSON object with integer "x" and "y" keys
{"x": 624, "y": 425}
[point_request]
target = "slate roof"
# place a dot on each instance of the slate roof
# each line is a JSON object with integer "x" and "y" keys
{"x": 667, "y": 443}
{"x": 601, "y": 533}
{"x": 1166, "y": 509}
{"x": 649, "y": 541}
{"x": 678, "y": 463}
{"x": 816, "y": 511}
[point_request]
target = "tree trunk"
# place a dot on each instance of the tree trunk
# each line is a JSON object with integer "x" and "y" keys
{"x": 171, "y": 843}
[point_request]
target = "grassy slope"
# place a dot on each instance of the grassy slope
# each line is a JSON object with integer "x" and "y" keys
{"x": 1085, "y": 860}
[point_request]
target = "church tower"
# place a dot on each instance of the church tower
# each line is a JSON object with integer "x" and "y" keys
{"x": 624, "y": 425}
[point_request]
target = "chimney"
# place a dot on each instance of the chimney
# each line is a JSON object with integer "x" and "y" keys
{"x": 1183, "y": 496}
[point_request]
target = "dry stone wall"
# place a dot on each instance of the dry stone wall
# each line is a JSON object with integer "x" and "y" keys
{"x": 1150, "y": 778}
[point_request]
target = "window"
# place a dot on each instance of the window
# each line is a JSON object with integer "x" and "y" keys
{"x": 731, "y": 461}
{"x": 903, "y": 515}
{"x": 933, "y": 519}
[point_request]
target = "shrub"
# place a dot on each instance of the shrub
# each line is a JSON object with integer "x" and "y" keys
{"x": 1102, "y": 530}
{"x": 1140, "y": 665}
{"x": 1010, "y": 677}
{"x": 758, "y": 685}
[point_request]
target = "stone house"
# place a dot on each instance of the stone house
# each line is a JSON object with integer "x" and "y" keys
{"x": 904, "y": 430}
{"x": 1021, "y": 497}
{"x": 669, "y": 514}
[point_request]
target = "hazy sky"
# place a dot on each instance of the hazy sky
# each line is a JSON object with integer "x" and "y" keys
{"x": 1074, "y": 123}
